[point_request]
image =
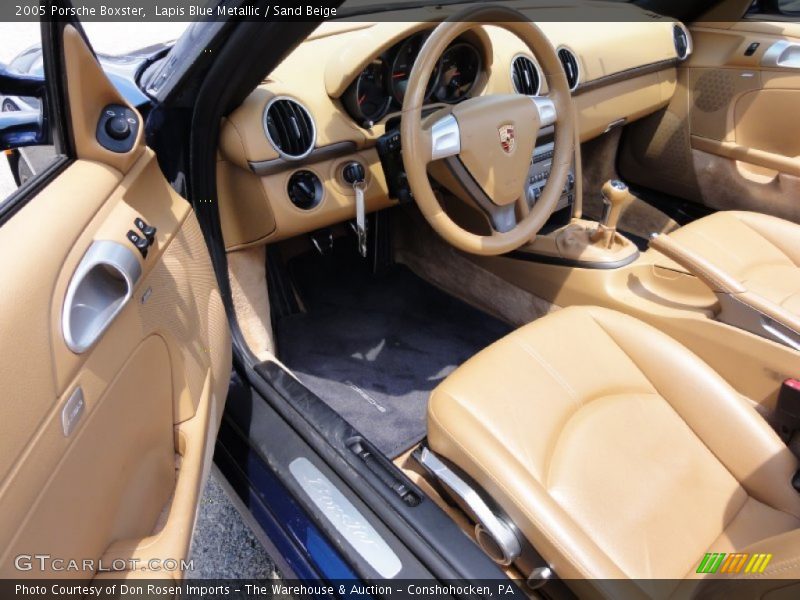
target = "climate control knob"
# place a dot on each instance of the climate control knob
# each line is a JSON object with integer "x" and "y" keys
{"x": 304, "y": 189}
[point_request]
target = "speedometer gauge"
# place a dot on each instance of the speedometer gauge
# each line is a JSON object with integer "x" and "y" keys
{"x": 403, "y": 63}
{"x": 367, "y": 99}
{"x": 458, "y": 72}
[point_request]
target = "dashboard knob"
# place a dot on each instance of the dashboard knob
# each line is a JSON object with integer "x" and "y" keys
{"x": 304, "y": 189}
{"x": 118, "y": 128}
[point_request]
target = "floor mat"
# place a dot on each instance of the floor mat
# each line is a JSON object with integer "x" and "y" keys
{"x": 373, "y": 348}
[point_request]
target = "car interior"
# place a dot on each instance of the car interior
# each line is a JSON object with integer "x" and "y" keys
{"x": 538, "y": 278}
{"x": 530, "y": 359}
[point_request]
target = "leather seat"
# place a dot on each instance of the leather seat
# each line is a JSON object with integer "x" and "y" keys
{"x": 618, "y": 453}
{"x": 759, "y": 251}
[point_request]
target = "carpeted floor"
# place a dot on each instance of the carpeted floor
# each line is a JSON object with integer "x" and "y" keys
{"x": 373, "y": 348}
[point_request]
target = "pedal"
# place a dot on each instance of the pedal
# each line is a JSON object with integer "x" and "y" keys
{"x": 322, "y": 241}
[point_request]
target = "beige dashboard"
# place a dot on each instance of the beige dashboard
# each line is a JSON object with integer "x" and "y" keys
{"x": 626, "y": 70}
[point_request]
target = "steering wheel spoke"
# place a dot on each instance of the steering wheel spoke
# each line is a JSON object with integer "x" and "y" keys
{"x": 547, "y": 110}
{"x": 502, "y": 218}
{"x": 445, "y": 138}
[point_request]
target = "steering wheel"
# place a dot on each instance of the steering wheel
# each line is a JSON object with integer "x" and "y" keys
{"x": 491, "y": 139}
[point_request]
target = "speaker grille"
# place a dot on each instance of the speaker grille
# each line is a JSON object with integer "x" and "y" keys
{"x": 714, "y": 90}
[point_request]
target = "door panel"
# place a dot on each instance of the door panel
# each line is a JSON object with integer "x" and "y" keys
{"x": 729, "y": 138}
{"x": 104, "y": 452}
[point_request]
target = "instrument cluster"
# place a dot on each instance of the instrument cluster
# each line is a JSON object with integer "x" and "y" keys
{"x": 381, "y": 86}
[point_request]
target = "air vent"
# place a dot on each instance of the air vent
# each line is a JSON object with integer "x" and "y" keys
{"x": 681, "y": 39}
{"x": 290, "y": 128}
{"x": 571, "y": 69}
{"x": 525, "y": 76}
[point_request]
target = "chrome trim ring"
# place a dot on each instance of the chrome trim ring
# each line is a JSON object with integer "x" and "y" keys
{"x": 280, "y": 152}
{"x": 577, "y": 65}
{"x": 535, "y": 66}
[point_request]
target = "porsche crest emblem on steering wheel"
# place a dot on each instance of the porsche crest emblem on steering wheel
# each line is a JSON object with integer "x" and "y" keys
{"x": 507, "y": 138}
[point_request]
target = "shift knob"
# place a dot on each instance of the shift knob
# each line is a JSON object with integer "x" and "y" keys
{"x": 616, "y": 196}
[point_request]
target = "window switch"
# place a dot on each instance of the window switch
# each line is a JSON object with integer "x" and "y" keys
{"x": 751, "y": 49}
{"x": 148, "y": 231}
{"x": 139, "y": 241}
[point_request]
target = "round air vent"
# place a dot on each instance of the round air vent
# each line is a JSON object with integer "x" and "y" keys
{"x": 682, "y": 43}
{"x": 289, "y": 127}
{"x": 570, "y": 63}
{"x": 525, "y": 76}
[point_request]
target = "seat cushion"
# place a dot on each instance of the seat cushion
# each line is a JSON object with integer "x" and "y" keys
{"x": 760, "y": 251}
{"x": 616, "y": 451}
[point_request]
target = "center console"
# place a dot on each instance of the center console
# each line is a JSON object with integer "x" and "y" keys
{"x": 539, "y": 173}
{"x": 389, "y": 149}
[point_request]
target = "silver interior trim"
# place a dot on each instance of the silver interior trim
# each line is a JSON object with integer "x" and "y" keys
{"x": 72, "y": 412}
{"x": 346, "y": 518}
{"x": 445, "y": 138}
{"x": 579, "y": 75}
{"x": 539, "y": 577}
{"x": 740, "y": 314}
{"x": 280, "y": 152}
{"x": 689, "y": 42}
{"x": 101, "y": 286}
{"x": 535, "y": 66}
{"x": 547, "y": 110}
{"x": 782, "y": 54}
{"x": 501, "y": 532}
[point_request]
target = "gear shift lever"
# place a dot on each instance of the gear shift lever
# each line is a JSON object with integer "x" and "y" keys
{"x": 616, "y": 196}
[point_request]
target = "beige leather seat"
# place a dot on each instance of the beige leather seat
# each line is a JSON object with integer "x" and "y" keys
{"x": 617, "y": 452}
{"x": 759, "y": 251}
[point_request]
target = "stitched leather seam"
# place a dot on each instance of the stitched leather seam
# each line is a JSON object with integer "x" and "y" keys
{"x": 582, "y": 568}
{"x": 766, "y": 239}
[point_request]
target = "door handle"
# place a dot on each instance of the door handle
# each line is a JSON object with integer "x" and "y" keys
{"x": 782, "y": 54}
{"x": 101, "y": 286}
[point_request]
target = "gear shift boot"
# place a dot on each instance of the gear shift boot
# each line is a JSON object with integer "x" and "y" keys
{"x": 592, "y": 245}
{"x": 573, "y": 246}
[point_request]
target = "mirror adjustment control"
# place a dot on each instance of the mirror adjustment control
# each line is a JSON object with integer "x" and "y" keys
{"x": 139, "y": 241}
{"x": 148, "y": 231}
{"x": 117, "y": 128}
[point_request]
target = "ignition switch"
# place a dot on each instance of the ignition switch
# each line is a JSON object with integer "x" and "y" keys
{"x": 352, "y": 172}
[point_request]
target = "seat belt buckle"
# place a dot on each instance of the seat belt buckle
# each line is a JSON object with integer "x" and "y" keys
{"x": 787, "y": 410}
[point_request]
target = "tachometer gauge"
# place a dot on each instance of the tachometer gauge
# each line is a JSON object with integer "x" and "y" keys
{"x": 367, "y": 99}
{"x": 403, "y": 63}
{"x": 458, "y": 72}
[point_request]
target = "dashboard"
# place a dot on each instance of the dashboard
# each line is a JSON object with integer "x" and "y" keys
{"x": 380, "y": 87}
{"x": 336, "y": 101}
